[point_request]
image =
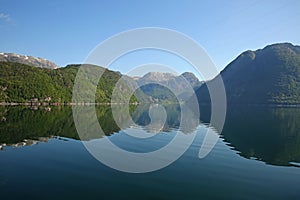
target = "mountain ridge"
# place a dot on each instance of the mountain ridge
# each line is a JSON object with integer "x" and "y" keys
{"x": 168, "y": 87}
{"x": 29, "y": 60}
{"x": 21, "y": 83}
{"x": 266, "y": 76}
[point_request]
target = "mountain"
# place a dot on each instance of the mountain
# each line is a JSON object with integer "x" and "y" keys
{"x": 24, "y": 84}
{"x": 266, "y": 76}
{"x": 177, "y": 83}
{"x": 158, "y": 93}
{"x": 157, "y": 77}
{"x": 166, "y": 86}
{"x": 138, "y": 93}
{"x": 192, "y": 79}
{"x": 28, "y": 60}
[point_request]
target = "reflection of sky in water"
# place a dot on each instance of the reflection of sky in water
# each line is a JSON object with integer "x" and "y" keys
{"x": 68, "y": 169}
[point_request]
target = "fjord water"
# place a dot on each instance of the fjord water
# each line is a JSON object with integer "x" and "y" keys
{"x": 256, "y": 157}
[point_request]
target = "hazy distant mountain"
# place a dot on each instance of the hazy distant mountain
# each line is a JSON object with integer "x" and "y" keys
{"x": 266, "y": 76}
{"x": 156, "y": 77}
{"x": 174, "y": 82}
{"x": 166, "y": 86}
{"x": 28, "y": 60}
{"x": 192, "y": 79}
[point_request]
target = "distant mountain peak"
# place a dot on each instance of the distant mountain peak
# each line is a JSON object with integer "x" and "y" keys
{"x": 28, "y": 60}
{"x": 158, "y": 76}
{"x": 189, "y": 75}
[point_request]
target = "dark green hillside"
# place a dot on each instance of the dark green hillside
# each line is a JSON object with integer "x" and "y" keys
{"x": 266, "y": 76}
{"x": 23, "y": 83}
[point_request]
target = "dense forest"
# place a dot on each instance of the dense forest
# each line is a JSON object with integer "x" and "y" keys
{"x": 23, "y": 83}
{"x": 267, "y": 76}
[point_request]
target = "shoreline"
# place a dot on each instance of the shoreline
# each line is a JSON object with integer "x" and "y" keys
{"x": 34, "y": 104}
{"x": 63, "y": 104}
{"x": 258, "y": 105}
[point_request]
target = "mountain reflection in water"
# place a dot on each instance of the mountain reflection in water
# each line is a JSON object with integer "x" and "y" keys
{"x": 268, "y": 134}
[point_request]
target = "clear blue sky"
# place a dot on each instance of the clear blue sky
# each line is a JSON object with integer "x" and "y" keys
{"x": 65, "y": 31}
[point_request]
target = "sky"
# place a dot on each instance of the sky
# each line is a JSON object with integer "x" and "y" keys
{"x": 66, "y": 31}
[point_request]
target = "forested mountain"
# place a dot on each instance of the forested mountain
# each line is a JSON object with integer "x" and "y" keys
{"x": 24, "y": 83}
{"x": 266, "y": 76}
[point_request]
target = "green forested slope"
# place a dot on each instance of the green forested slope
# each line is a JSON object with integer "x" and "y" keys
{"x": 267, "y": 76}
{"x": 23, "y": 83}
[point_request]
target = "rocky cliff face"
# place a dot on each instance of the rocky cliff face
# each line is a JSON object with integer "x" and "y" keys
{"x": 28, "y": 60}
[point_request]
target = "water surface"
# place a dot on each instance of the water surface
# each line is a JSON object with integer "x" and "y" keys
{"x": 256, "y": 157}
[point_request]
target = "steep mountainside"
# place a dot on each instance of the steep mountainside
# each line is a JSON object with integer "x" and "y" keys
{"x": 24, "y": 83}
{"x": 267, "y": 76}
{"x": 28, "y": 60}
{"x": 192, "y": 79}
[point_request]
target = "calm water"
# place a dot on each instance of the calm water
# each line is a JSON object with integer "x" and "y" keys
{"x": 256, "y": 157}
